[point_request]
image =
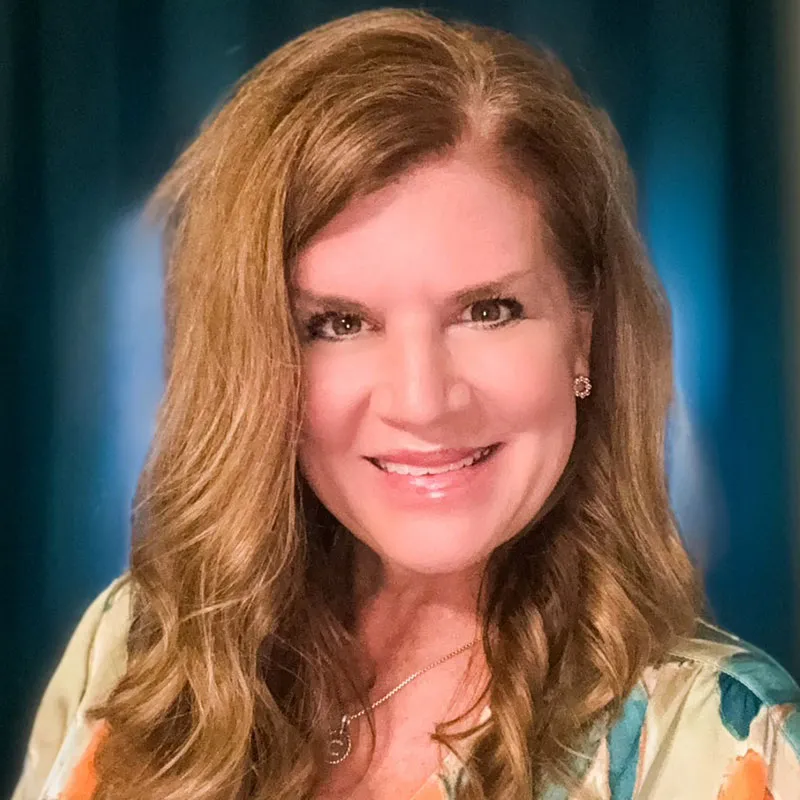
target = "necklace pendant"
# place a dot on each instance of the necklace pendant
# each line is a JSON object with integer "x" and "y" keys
{"x": 339, "y": 743}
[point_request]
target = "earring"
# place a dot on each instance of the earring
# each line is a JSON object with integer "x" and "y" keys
{"x": 582, "y": 386}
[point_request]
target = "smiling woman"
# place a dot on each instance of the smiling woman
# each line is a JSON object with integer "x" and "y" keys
{"x": 404, "y": 529}
{"x": 463, "y": 354}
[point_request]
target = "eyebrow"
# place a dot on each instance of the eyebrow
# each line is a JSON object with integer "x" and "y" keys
{"x": 466, "y": 296}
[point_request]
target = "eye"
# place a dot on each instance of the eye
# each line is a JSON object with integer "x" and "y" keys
{"x": 493, "y": 312}
{"x": 333, "y": 326}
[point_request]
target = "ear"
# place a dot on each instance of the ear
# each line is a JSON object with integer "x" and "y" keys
{"x": 584, "y": 320}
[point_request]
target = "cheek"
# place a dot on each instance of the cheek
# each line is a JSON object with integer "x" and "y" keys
{"x": 515, "y": 378}
{"x": 527, "y": 380}
{"x": 334, "y": 389}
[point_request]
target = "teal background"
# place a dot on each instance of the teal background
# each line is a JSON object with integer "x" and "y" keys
{"x": 97, "y": 98}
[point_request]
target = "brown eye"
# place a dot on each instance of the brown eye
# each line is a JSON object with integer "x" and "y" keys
{"x": 334, "y": 326}
{"x": 486, "y": 311}
{"x": 494, "y": 312}
{"x": 346, "y": 325}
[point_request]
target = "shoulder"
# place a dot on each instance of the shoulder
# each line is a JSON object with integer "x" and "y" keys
{"x": 92, "y": 663}
{"x": 718, "y": 718}
{"x": 102, "y": 633}
{"x": 740, "y": 681}
{"x": 97, "y": 651}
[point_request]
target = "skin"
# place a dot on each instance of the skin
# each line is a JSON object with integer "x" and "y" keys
{"x": 412, "y": 366}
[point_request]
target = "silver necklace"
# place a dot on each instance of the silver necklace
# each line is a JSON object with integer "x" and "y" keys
{"x": 339, "y": 741}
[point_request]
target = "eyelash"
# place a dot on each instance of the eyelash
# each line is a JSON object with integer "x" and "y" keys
{"x": 315, "y": 324}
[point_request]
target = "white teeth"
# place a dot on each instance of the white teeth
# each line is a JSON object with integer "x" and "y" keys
{"x": 407, "y": 469}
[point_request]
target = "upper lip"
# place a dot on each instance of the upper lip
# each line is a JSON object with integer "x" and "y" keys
{"x": 430, "y": 458}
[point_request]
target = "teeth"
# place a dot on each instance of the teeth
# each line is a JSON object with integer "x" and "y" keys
{"x": 407, "y": 469}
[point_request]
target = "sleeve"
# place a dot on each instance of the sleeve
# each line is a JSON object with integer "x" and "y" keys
{"x": 92, "y": 662}
{"x": 766, "y": 765}
{"x": 719, "y": 727}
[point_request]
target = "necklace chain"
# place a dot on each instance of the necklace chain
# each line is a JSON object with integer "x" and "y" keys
{"x": 413, "y": 676}
{"x": 339, "y": 743}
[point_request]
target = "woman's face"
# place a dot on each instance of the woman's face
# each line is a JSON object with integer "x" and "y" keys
{"x": 440, "y": 351}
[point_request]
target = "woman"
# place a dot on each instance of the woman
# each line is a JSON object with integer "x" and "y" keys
{"x": 404, "y": 530}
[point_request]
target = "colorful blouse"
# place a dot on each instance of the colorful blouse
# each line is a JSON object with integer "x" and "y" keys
{"x": 718, "y": 720}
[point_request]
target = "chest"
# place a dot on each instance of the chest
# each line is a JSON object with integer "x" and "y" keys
{"x": 397, "y": 769}
{"x": 401, "y": 776}
{"x": 405, "y": 756}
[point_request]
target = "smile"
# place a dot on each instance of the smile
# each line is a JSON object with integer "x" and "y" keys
{"x": 470, "y": 460}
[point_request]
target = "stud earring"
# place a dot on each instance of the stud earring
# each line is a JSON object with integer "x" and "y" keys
{"x": 582, "y": 386}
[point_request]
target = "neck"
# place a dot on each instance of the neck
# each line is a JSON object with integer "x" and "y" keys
{"x": 407, "y": 619}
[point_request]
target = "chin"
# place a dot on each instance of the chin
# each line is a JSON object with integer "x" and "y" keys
{"x": 434, "y": 551}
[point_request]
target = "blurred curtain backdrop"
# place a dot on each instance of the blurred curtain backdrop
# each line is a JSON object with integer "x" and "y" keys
{"x": 97, "y": 98}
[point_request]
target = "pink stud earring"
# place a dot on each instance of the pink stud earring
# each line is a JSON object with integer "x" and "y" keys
{"x": 582, "y": 386}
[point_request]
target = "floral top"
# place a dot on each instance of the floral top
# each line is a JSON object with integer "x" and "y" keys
{"x": 718, "y": 720}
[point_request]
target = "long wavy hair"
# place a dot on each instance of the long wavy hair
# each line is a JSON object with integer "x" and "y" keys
{"x": 242, "y": 641}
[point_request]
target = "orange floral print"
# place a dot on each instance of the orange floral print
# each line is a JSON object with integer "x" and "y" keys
{"x": 83, "y": 781}
{"x": 430, "y": 791}
{"x": 747, "y": 779}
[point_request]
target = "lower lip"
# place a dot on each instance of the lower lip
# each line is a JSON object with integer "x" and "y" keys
{"x": 443, "y": 487}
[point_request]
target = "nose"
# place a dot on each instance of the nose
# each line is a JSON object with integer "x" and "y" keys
{"x": 418, "y": 385}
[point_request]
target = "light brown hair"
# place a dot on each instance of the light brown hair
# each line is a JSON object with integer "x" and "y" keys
{"x": 241, "y": 639}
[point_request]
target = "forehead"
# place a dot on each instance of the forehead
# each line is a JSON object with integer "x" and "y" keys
{"x": 443, "y": 226}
